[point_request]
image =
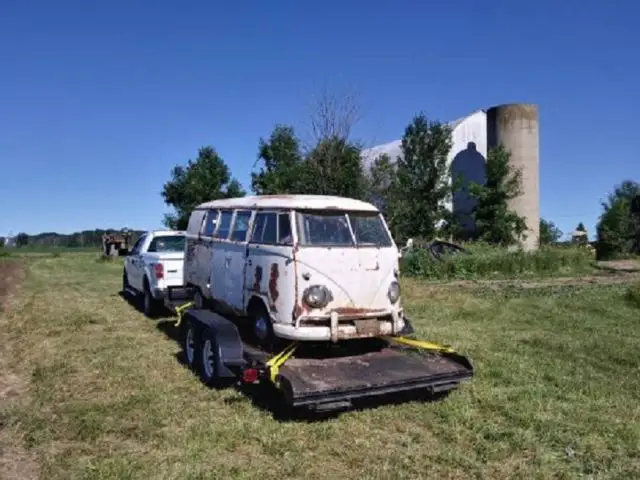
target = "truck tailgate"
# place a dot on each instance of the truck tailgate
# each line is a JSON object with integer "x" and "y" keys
{"x": 173, "y": 271}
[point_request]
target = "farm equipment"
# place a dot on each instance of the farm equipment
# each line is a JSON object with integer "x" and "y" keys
{"x": 116, "y": 244}
{"x": 318, "y": 376}
{"x": 436, "y": 249}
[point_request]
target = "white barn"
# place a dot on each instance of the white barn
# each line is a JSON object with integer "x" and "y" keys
{"x": 516, "y": 127}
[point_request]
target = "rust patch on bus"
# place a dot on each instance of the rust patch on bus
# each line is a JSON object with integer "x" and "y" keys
{"x": 257, "y": 279}
{"x": 273, "y": 285}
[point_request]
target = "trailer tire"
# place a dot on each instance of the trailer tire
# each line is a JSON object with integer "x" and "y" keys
{"x": 209, "y": 359}
{"x": 190, "y": 344}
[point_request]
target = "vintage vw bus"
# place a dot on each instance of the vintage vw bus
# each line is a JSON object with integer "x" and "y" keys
{"x": 300, "y": 267}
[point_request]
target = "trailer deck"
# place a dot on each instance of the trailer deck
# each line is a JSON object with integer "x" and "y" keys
{"x": 321, "y": 376}
{"x": 391, "y": 369}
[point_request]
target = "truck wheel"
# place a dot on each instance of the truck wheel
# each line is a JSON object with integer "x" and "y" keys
{"x": 125, "y": 281}
{"x": 190, "y": 344}
{"x": 149, "y": 304}
{"x": 209, "y": 359}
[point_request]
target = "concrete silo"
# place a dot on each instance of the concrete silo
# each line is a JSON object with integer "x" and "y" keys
{"x": 515, "y": 126}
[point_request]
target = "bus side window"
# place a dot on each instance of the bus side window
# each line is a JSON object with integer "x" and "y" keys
{"x": 285, "y": 237}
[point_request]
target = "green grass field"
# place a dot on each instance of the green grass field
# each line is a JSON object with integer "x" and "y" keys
{"x": 93, "y": 389}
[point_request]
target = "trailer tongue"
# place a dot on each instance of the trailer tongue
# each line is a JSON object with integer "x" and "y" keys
{"x": 319, "y": 378}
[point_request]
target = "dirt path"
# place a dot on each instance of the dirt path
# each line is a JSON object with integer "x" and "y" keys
{"x": 16, "y": 463}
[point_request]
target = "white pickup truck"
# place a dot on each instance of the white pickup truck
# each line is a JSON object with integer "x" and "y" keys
{"x": 154, "y": 265}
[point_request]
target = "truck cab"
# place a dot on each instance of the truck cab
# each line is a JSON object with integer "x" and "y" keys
{"x": 154, "y": 265}
{"x": 297, "y": 267}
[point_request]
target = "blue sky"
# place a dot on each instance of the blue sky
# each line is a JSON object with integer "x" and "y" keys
{"x": 99, "y": 100}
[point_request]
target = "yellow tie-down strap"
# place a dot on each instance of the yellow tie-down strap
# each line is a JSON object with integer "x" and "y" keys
{"x": 275, "y": 362}
{"x": 422, "y": 344}
{"x": 180, "y": 311}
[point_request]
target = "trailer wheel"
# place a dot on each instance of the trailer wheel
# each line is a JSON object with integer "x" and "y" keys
{"x": 209, "y": 359}
{"x": 190, "y": 343}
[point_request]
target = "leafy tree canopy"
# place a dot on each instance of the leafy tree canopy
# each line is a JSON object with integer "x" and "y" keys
{"x": 334, "y": 167}
{"x": 22, "y": 240}
{"x": 414, "y": 192}
{"x": 207, "y": 178}
{"x": 618, "y": 229}
{"x": 383, "y": 180}
{"x": 331, "y": 167}
{"x": 281, "y": 170}
{"x": 549, "y": 232}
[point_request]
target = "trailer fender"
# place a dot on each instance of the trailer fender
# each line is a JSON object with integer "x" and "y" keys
{"x": 229, "y": 344}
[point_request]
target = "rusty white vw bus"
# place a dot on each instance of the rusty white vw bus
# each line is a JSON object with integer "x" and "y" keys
{"x": 297, "y": 267}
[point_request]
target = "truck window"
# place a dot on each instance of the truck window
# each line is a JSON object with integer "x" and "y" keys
{"x": 210, "y": 223}
{"x": 224, "y": 223}
{"x": 167, "y": 243}
{"x": 284, "y": 229}
{"x": 138, "y": 244}
{"x": 265, "y": 229}
{"x": 241, "y": 226}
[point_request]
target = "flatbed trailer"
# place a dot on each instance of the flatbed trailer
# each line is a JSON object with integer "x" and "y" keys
{"x": 317, "y": 376}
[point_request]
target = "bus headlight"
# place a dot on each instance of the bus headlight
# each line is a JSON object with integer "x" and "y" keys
{"x": 394, "y": 292}
{"x": 316, "y": 296}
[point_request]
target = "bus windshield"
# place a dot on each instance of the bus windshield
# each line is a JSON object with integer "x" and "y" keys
{"x": 342, "y": 229}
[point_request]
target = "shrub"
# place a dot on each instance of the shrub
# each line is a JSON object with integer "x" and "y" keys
{"x": 484, "y": 261}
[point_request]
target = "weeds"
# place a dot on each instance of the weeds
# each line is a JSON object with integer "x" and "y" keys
{"x": 482, "y": 261}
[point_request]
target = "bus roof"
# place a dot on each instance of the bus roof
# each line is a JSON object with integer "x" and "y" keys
{"x": 303, "y": 202}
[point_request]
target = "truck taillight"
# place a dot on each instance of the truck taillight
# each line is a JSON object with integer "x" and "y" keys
{"x": 159, "y": 270}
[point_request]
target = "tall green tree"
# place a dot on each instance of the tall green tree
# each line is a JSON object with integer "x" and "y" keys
{"x": 581, "y": 227}
{"x": 282, "y": 164}
{"x": 334, "y": 167}
{"x": 2, "y": 242}
{"x": 618, "y": 229}
{"x": 383, "y": 181}
{"x": 495, "y": 222}
{"x": 207, "y": 178}
{"x": 418, "y": 201}
{"x": 331, "y": 167}
{"x": 22, "y": 240}
{"x": 549, "y": 232}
